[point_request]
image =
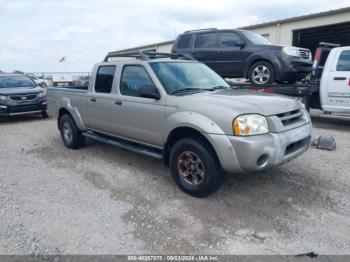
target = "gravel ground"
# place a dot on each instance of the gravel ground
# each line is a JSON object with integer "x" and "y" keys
{"x": 102, "y": 200}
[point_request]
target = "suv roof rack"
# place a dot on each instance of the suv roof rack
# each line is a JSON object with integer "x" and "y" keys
{"x": 147, "y": 55}
{"x": 199, "y": 30}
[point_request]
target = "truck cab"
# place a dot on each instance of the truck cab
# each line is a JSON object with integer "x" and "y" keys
{"x": 335, "y": 81}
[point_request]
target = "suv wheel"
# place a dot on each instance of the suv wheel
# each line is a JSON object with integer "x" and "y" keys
{"x": 261, "y": 73}
{"x": 195, "y": 167}
{"x": 71, "y": 136}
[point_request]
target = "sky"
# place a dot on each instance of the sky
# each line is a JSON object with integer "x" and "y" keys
{"x": 35, "y": 34}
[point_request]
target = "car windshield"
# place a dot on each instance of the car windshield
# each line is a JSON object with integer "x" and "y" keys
{"x": 187, "y": 77}
{"x": 13, "y": 81}
{"x": 255, "y": 38}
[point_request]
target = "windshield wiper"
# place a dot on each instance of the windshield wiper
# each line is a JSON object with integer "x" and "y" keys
{"x": 218, "y": 87}
{"x": 185, "y": 90}
{"x": 191, "y": 89}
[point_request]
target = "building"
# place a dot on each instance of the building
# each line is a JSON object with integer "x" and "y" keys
{"x": 303, "y": 31}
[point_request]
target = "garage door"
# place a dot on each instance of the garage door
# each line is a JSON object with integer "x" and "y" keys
{"x": 311, "y": 37}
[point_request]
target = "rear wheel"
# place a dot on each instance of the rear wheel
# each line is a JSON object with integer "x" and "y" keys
{"x": 195, "y": 167}
{"x": 261, "y": 73}
{"x": 71, "y": 136}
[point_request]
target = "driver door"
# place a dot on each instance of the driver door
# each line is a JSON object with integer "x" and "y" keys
{"x": 138, "y": 118}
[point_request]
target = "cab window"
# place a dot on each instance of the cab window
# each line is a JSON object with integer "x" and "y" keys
{"x": 104, "y": 79}
{"x": 134, "y": 77}
{"x": 344, "y": 61}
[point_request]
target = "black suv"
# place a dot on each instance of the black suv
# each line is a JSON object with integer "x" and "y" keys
{"x": 238, "y": 53}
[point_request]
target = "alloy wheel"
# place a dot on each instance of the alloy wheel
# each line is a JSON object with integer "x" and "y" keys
{"x": 191, "y": 168}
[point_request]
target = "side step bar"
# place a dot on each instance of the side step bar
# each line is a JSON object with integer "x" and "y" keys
{"x": 124, "y": 145}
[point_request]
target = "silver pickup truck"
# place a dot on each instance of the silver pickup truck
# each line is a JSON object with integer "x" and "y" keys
{"x": 182, "y": 112}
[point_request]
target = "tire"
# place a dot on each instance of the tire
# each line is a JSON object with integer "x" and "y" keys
{"x": 44, "y": 114}
{"x": 71, "y": 136}
{"x": 267, "y": 74}
{"x": 190, "y": 150}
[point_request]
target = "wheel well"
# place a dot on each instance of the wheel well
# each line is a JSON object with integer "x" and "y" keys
{"x": 62, "y": 112}
{"x": 255, "y": 61}
{"x": 180, "y": 133}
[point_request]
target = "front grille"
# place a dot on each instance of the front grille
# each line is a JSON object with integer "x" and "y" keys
{"x": 290, "y": 118}
{"x": 25, "y": 108}
{"x": 303, "y": 53}
{"x": 26, "y": 97}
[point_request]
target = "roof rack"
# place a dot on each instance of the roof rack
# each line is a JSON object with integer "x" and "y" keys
{"x": 144, "y": 55}
{"x": 200, "y": 30}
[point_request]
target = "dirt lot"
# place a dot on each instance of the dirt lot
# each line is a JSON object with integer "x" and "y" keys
{"x": 102, "y": 200}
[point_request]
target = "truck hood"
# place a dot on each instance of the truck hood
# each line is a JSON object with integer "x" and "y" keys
{"x": 246, "y": 102}
{"x": 20, "y": 90}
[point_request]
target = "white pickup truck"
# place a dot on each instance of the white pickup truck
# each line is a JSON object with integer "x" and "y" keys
{"x": 334, "y": 85}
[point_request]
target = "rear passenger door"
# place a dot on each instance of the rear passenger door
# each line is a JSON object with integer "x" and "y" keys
{"x": 101, "y": 101}
{"x": 138, "y": 118}
{"x": 206, "y": 49}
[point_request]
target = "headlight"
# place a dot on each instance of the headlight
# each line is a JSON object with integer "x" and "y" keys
{"x": 291, "y": 50}
{"x": 3, "y": 97}
{"x": 249, "y": 125}
{"x": 42, "y": 94}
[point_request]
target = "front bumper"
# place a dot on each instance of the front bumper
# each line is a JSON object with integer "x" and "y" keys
{"x": 293, "y": 68}
{"x": 254, "y": 153}
{"x": 13, "y": 110}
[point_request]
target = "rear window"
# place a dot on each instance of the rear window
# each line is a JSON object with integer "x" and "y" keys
{"x": 104, "y": 79}
{"x": 344, "y": 61}
{"x": 13, "y": 81}
{"x": 206, "y": 40}
{"x": 184, "y": 41}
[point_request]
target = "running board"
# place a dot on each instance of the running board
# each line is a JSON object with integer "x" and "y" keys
{"x": 124, "y": 145}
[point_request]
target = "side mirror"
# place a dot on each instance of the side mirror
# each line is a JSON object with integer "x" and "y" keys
{"x": 149, "y": 91}
{"x": 240, "y": 44}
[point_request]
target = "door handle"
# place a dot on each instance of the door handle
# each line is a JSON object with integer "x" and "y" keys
{"x": 339, "y": 78}
{"x": 118, "y": 103}
{"x": 93, "y": 99}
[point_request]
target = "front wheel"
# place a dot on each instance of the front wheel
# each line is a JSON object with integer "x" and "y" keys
{"x": 71, "y": 136}
{"x": 261, "y": 73}
{"x": 195, "y": 167}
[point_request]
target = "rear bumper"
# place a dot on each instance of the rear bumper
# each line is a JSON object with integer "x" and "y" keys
{"x": 240, "y": 154}
{"x": 13, "y": 110}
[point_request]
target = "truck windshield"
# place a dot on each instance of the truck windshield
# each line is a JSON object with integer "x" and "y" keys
{"x": 187, "y": 76}
{"x": 15, "y": 81}
{"x": 255, "y": 38}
